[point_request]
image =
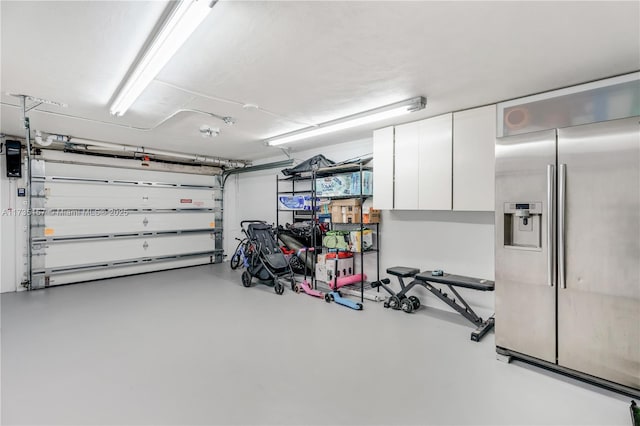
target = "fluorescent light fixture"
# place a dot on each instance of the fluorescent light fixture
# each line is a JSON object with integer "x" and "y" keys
{"x": 371, "y": 116}
{"x": 179, "y": 25}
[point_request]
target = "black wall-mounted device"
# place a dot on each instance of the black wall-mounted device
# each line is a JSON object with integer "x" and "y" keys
{"x": 14, "y": 158}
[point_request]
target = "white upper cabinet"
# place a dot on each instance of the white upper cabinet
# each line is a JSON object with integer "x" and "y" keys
{"x": 423, "y": 165}
{"x": 383, "y": 158}
{"x": 441, "y": 163}
{"x": 474, "y": 135}
{"x": 434, "y": 157}
{"x": 407, "y": 165}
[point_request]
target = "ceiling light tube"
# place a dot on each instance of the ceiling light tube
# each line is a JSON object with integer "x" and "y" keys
{"x": 180, "y": 24}
{"x": 371, "y": 116}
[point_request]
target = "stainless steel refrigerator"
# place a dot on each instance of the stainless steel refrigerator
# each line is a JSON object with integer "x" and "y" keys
{"x": 567, "y": 273}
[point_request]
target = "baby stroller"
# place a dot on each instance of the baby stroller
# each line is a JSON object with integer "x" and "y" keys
{"x": 266, "y": 261}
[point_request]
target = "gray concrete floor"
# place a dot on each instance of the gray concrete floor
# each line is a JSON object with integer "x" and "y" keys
{"x": 192, "y": 346}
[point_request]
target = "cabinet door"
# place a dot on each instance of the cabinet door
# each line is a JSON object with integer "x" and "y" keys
{"x": 434, "y": 163}
{"x": 474, "y": 138}
{"x": 406, "y": 166}
{"x": 383, "y": 168}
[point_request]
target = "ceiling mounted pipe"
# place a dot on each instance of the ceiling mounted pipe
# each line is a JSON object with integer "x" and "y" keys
{"x": 44, "y": 142}
{"x": 259, "y": 167}
{"x": 194, "y": 158}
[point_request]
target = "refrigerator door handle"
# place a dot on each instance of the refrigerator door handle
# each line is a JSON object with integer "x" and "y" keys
{"x": 561, "y": 215}
{"x": 551, "y": 200}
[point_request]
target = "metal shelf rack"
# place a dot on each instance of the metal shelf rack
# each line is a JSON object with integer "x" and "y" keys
{"x": 310, "y": 189}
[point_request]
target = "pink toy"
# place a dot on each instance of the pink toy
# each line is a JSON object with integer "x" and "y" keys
{"x": 351, "y": 279}
{"x": 305, "y": 286}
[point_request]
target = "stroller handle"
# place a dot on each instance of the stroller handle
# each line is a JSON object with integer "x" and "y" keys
{"x": 251, "y": 221}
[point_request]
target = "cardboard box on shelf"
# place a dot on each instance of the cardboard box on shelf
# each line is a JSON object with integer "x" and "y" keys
{"x": 345, "y": 267}
{"x": 345, "y": 184}
{"x": 348, "y": 202}
{"x": 333, "y": 186}
{"x": 361, "y": 241}
{"x": 321, "y": 272}
{"x": 325, "y": 268}
{"x": 345, "y": 214}
{"x": 346, "y": 211}
{"x": 373, "y": 216}
{"x": 367, "y": 183}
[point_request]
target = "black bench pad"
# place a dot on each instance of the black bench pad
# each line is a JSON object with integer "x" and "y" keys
{"x": 456, "y": 280}
{"x": 402, "y": 271}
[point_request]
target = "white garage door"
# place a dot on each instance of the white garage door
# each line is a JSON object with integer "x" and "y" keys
{"x": 96, "y": 221}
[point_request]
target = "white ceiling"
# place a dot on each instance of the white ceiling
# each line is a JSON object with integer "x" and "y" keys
{"x": 305, "y": 62}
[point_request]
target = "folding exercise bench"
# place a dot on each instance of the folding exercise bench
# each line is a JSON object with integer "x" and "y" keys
{"x": 426, "y": 279}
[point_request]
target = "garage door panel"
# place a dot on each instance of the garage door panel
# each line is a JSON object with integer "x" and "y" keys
{"x": 111, "y": 174}
{"x": 140, "y": 267}
{"x": 118, "y": 223}
{"x": 95, "y": 195}
{"x": 68, "y": 254}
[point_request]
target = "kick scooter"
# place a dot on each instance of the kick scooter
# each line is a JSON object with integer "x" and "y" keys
{"x": 336, "y": 296}
{"x": 305, "y": 286}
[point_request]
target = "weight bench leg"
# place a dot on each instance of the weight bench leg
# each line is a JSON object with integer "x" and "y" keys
{"x": 483, "y": 329}
{"x": 405, "y": 288}
{"x": 463, "y": 309}
{"x": 467, "y": 312}
{"x": 402, "y": 285}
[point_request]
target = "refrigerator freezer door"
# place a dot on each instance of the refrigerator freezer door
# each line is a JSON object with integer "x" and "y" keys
{"x": 599, "y": 310}
{"x": 524, "y": 282}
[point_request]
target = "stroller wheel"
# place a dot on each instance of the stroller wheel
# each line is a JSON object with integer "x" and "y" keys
{"x": 296, "y": 288}
{"x": 293, "y": 285}
{"x": 278, "y": 287}
{"x": 246, "y": 279}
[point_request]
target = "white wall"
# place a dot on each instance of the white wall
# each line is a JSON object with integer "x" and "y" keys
{"x": 457, "y": 242}
{"x": 2, "y": 191}
{"x": 250, "y": 196}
